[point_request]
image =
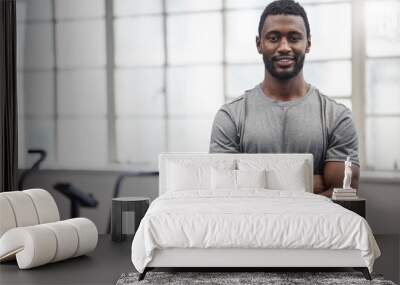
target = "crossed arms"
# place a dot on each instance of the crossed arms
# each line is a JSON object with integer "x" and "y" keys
{"x": 333, "y": 178}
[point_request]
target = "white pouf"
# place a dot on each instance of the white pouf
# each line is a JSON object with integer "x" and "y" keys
{"x": 31, "y": 232}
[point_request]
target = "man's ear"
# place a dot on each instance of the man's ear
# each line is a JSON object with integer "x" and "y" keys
{"x": 258, "y": 44}
{"x": 308, "y": 45}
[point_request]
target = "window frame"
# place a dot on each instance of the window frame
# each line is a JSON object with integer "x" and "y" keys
{"x": 358, "y": 94}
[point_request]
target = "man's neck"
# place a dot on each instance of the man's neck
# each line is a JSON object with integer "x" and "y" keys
{"x": 284, "y": 90}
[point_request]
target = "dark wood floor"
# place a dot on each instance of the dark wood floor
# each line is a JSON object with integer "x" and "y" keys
{"x": 106, "y": 264}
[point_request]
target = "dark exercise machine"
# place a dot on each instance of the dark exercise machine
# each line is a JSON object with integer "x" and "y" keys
{"x": 42, "y": 156}
{"x": 77, "y": 197}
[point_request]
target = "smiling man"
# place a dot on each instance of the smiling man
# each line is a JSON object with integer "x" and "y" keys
{"x": 285, "y": 114}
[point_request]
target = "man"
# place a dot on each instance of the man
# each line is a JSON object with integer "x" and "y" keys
{"x": 284, "y": 114}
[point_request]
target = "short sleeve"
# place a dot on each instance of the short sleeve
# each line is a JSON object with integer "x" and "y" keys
{"x": 342, "y": 141}
{"x": 224, "y": 137}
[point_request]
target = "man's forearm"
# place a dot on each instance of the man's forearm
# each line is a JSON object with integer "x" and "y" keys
{"x": 320, "y": 187}
{"x": 333, "y": 177}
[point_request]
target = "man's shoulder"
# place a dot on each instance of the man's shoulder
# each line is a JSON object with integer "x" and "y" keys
{"x": 240, "y": 100}
{"x": 235, "y": 101}
{"x": 233, "y": 107}
{"x": 332, "y": 106}
{"x": 334, "y": 112}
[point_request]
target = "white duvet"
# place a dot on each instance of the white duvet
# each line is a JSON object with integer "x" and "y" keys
{"x": 250, "y": 219}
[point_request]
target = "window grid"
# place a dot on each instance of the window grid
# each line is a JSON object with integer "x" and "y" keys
{"x": 56, "y": 73}
{"x": 224, "y": 63}
{"x": 25, "y": 118}
{"x": 358, "y": 64}
{"x": 368, "y": 114}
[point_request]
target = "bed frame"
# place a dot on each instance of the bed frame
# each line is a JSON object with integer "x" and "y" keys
{"x": 242, "y": 259}
{"x": 246, "y": 258}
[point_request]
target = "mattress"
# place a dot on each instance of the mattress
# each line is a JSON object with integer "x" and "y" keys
{"x": 251, "y": 219}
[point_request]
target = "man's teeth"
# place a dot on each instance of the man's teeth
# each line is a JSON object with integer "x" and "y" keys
{"x": 285, "y": 60}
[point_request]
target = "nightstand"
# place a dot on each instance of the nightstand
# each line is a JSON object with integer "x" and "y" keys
{"x": 126, "y": 214}
{"x": 357, "y": 205}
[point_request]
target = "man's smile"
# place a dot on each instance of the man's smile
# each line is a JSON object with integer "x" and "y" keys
{"x": 284, "y": 61}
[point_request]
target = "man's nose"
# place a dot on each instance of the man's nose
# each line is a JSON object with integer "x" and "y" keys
{"x": 283, "y": 45}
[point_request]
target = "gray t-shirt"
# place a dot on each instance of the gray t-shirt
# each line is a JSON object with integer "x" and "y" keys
{"x": 314, "y": 123}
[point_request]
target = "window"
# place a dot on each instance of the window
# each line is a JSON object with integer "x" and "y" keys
{"x": 110, "y": 84}
{"x": 382, "y": 22}
{"x": 62, "y": 81}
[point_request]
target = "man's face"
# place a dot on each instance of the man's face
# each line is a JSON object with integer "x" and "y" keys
{"x": 283, "y": 44}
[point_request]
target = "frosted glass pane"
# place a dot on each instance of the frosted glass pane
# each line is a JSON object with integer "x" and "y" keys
{"x": 78, "y": 9}
{"x": 241, "y": 32}
{"x": 383, "y": 141}
{"x": 39, "y": 134}
{"x": 195, "y": 38}
{"x": 262, "y": 4}
{"x": 330, "y": 31}
{"x": 35, "y": 46}
{"x": 33, "y": 10}
{"x": 81, "y": 44}
{"x": 320, "y": 1}
{"x": 246, "y": 4}
{"x": 37, "y": 89}
{"x": 82, "y": 92}
{"x": 140, "y": 140}
{"x": 139, "y": 91}
{"x": 240, "y": 78}
{"x": 137, "y": 7}
{"x": 185, "y": 6}
{"x": 82, "y": 143}
{"x": 189, "y": 134}
{"x": 383, "y": 86}
{"x": 194, "y": 90}
{"x": 383, "y": 28}
{"x": 320, "y": 74}
{"x": 139, "y": 41}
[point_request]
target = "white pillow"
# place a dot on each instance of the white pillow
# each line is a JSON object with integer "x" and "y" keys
{"x": 226, "y": 179}
{"x": 251, "y": 178}
{"x": 223, "y": 179}
{"x": 193, "y": 174}
{"x": 281, "y": 174}
{"x": 189, "y": 177}
{"x": 293, "y": 180}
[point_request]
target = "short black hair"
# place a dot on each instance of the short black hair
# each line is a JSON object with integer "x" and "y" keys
{"x": 284, "y": 7}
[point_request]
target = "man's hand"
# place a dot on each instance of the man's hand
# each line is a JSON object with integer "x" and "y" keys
{"x": 319, "y": 186}
{"x": 333, "y": 178}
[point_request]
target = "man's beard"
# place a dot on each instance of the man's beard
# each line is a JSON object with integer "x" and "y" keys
{"x": 285, "y": 75}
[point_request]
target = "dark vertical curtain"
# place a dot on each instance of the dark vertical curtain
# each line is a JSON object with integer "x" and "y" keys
{"x": 8, "y": 97}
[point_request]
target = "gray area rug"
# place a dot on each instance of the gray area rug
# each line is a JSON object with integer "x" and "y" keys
{"x": 270, "y": 278}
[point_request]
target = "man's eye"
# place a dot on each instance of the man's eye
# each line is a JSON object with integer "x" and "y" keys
{"x": 294, "y": 39}
{"x": 273, "y": 39}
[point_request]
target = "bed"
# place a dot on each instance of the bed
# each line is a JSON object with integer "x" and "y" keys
{"x": 247, "y": 210}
